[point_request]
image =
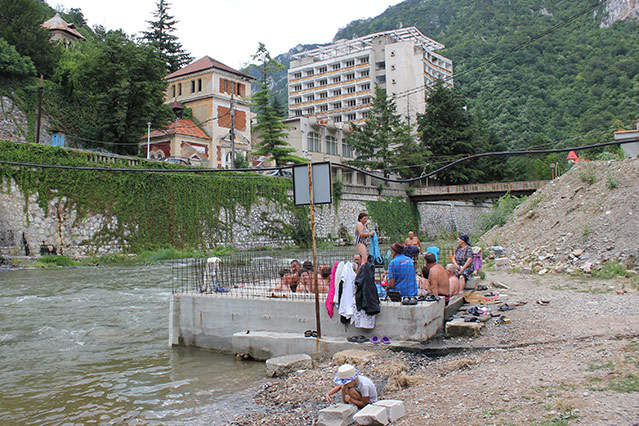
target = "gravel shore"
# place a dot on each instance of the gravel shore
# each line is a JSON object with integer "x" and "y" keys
{"x": 574, "y": 360}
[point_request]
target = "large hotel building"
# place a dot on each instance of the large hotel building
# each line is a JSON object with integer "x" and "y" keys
{"x": 333, "y": 85}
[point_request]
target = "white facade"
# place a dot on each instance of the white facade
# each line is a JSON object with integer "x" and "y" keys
{"x": 337, "y": 81}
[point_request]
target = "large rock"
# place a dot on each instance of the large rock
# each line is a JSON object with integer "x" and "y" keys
{"x": 353, "y": 356}
{"x": 371, "y": 415}
{"x": 283, "y": 365}
{"x": 460, "y": 328}
{"x": 502, "y": 263}
{"x": 337, "y": 415}
{"x": 394, "y": 408}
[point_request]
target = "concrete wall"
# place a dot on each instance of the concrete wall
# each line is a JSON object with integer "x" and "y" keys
{"x": 210, "y": 322}
{"x": 455, "y": 216}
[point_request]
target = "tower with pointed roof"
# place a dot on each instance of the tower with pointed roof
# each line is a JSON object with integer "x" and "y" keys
{"x": 62, "y": 30}
{"x": 208, "y": 87}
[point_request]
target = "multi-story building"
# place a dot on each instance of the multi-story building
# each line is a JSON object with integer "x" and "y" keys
{"x": 219, "y": 97}
{"x": 337, "y": 81}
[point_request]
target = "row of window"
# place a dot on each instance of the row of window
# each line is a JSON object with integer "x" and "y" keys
{"x": 351, "y": 116}
{"x": 321, "y": 69}
{"x": 314, "y": 144}
{"x": 335, "y": 105}
{"x": 195, "y": 85}
{"x": 330, "y": 81}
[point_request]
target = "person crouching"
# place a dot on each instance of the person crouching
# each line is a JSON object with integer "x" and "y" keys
{"x": 356, "y": 389}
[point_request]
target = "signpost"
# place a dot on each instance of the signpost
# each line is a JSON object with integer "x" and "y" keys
{"x": 312, "y": 185}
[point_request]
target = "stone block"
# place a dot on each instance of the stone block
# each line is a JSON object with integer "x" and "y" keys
{"x": 371, "y": 415}
{"x": 337, "y": 415}
{"x": 353, "y": 356}
{"x": 283, "y": 365}
{"x": 460, "y": 328}
{"x": 472, "y": 283}
{"x": 502, "y": 263}
{"x": 394, "y": 408}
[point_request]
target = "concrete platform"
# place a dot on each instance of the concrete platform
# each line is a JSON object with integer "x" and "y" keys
{"x": 453, "y": 306}
{"x": 274, "y": 327}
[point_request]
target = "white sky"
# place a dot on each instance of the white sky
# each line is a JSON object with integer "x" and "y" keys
{"x": 230, "y": 30}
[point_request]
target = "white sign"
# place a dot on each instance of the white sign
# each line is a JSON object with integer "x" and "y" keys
{"x": 322, "y": 188}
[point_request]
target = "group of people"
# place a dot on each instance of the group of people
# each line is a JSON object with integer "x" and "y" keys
{"x": 300, "y": 278}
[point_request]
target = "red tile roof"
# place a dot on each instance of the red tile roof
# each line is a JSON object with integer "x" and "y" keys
{"x": 181, "y": 126}
{"x": 57, "y": 23}
{"x": 204, "y": 64}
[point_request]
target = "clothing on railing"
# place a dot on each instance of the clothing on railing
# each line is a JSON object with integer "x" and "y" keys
{"x": 377, "y": 255}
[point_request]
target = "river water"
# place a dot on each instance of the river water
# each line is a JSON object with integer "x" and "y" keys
{"x": 90, "y": 346}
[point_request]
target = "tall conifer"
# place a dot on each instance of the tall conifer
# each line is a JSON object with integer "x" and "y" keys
{"x": 160, "y": 35}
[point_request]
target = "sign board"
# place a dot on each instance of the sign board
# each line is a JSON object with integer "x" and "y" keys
{"x": 321, "y": 176}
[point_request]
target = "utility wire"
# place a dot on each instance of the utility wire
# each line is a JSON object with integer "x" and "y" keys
{"x": 346, "y": 166}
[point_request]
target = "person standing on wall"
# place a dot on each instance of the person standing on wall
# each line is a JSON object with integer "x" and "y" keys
{"x": 362, "y": 235}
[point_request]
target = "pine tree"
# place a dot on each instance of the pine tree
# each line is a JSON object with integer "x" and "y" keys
{"x": 378, "y": 140}
{"x": 445, "y": 129}
{"x": 160, "y": 35}
{"x": 270, "y": 125}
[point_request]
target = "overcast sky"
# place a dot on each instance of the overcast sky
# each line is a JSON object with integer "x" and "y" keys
{"x": 230, "y": 30}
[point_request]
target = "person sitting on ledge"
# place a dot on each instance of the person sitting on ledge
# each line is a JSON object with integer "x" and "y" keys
{"x": 304, "y": 285}
{"x": 401, "y": 272}
{"x": 437, "y": 276}
{"x": 455, "y": 283}
{"x": 356, "y": 389}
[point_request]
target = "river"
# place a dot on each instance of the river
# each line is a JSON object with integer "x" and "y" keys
{"x": 89, "y": 345}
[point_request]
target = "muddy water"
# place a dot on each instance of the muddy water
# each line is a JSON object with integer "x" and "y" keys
{"x": 90, "y": 346}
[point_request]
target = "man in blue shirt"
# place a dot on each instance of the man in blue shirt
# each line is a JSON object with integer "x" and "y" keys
{"x": 401, "y": 272}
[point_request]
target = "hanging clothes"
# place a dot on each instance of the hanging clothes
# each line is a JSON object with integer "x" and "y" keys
{"x": 377, "y": 255}
{"x": 366, "y": 297}
{"x": 347, "y": 306}
{"x": 331, "y": 292}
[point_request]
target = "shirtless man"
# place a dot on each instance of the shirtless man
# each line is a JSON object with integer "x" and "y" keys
{"x": 412, "y": 241}
{"x": 455, "y": 284}
{"x": 437, "y": 276}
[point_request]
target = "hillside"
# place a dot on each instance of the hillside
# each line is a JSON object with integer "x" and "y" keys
{"x": 586, "y": 216}
{"x": 580, "y": 80}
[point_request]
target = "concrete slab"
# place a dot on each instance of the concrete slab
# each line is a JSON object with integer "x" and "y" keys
{"x": 453, "y": 306}
{"x": 371, "y": 415}
{"x": 337, "y": 415}
{"x": 460, "y": 328}
{"x": 283, "y": 365}
{"x": 394, "y": 408}
{"x": 502, "y": 263}
{"x": 472, "y": 282}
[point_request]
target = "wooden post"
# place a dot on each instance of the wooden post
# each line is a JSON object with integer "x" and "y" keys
{"x": 312, "y": 204}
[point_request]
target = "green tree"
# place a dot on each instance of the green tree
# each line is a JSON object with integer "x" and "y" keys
{"x": 381, "y": 137}
{"x": 160, "y": 35}
{"x": 13, "y": 67}
{"x": 108, "y": 91}
{"x": 270, "y": 125}
{"x": 445, "y": 129}
{"x": 20, "y": 26}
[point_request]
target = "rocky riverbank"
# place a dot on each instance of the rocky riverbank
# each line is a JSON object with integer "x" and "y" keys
{"x": 573, "y": 360}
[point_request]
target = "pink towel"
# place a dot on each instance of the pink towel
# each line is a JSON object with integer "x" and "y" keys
{"x": 331, "y": 292}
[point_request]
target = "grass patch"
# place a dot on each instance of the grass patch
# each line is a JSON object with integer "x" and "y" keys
{"x": 626, "y": 385}
{"x": 492, "y": 412}
{"x": 560, "y": 420}
{"x": 593, "y": 290}
{"x": 595, "y": 367}
{"x": 588, "y": 176}
{"x": 610, "y": 270}
{"x": 52, "y": 261}
{"x": 611, "y": 182}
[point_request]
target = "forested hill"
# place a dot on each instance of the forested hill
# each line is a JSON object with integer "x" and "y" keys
{"x": 581, "y": 79}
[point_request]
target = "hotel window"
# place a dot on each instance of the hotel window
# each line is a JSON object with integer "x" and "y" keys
{"x": 364, "y": 73}
{"x": 309, "y": 111}
{"x": 297, "y": 112}
{"x": 336, "y": 92}
{"x": 313, "y": 142}
{"x": 323, "y": 95}
{"x": 335, "y": 67}
{"x": 347, "y": 151}
{"x": 297, "y": 100}
{"x": 309, "y": 73}
{"x": 323, "y": 108}
{"x": 350, "y": 89}
{"x": 297, "y": 87}
{"x": 322, "y": 69}
{"x": 310, "y": 85}
{"x": 350, "y": 63}
{"x": 365, "y": 86}
{"x": 351, "y": 117}
{"x": 350, "y": 76}
{"x": 363, "y": 60}
{"x": 331, "y": 145}
{"x": 337, "y": 79}
{"x": 310, "y": 98}
{"x": 364, "y": 114}
{"x": 297, "y": 75}
{"x": 365, "y": 101}
{"x": 336, "y": 105}
{"x": 351, "y": 103}
{"x": 323, "y": 82}
{"x": 337, "y": 119}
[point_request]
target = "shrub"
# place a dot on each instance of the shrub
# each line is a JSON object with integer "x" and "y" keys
{"x": 501, "y": 212}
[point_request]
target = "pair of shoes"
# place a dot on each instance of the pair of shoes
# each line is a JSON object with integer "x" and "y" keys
{"x": 502, "y": 320}
{"x": 506, "y": 307}
{"x": 384, "y": 340}
{"x": 310, "y": 333}
{"x": 409, "y": 301}
{"x": 395, "y": 296}
{"x": 357, "y": 339}
{"x": 481, "y": 287}
{"x": 476, "y": 311}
